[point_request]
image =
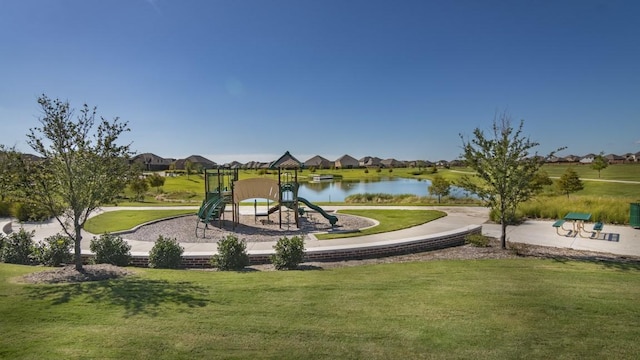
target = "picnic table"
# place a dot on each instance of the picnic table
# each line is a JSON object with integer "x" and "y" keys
{"x": 578, "y": 220}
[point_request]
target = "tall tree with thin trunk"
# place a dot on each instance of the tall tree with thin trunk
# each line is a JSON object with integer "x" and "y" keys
{"x": 439, "y": 187}
{"x": 504, "y": 166}
{"x": 83, "y": 166}
{"x": 599, "y": 163}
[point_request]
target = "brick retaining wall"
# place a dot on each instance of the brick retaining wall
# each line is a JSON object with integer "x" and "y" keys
{"x": 343, "y": 252}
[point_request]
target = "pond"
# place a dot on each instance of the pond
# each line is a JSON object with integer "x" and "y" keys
{"x": 338, "y": 190}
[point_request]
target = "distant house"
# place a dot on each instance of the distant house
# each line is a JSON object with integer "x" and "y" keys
{"x": 197, "y": 161}
{"x": 614, "y": 159}
{"x": 571, "y": 159}
{"x": 151, "y": 162}
{"x": 419, "y": 163}
{"x": 318, "y": 162}
{"x": 587, "y": 159}
{"x": 346, "y": 162}
{"x": 630, "y": 157}
{"x": 392, "y": 163}
{"x": 233, "y": 165}
{"x": 286, "y": 161}
{"x": 369, "y": 162}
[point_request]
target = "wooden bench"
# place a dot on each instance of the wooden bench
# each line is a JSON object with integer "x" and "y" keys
{"x": 597, "y": 227}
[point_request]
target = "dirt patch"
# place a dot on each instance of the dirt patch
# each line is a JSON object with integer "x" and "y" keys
{"x": 69, "y": 274}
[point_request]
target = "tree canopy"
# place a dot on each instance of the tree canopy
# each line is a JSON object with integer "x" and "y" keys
{"x": 83, "y": 167}
{"x": 569, "y": 182}
{"x": 439, "y": 187}
{"x": 599, "y": 163}
{"x": 505, "y": 168}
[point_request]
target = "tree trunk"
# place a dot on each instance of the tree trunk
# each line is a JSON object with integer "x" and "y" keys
{"x": 77, "y": 249}
{"x": 503, "y": 237}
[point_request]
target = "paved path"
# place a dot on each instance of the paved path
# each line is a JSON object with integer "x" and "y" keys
{"x": 620, "y": 240}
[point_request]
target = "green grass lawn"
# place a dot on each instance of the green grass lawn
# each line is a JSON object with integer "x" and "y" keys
{"x": 390, "y": 220}
{"x": 489, "y": 309}
{"x": 126, "y": 219}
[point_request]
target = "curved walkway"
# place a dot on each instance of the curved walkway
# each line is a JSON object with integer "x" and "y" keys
{"x": 620, "y": 240}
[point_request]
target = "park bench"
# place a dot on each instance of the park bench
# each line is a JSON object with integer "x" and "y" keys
{"x": 559, "y": 225}
{"x": 597, "y": 227}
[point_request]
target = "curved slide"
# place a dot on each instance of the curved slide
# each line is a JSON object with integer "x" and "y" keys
{"x": 332, "y": 219}
{"x": 209, "y": 211}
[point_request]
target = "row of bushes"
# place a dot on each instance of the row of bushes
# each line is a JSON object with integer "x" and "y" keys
{"x": 19, "y": 248}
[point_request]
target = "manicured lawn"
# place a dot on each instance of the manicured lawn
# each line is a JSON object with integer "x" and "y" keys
{"x": 490, "y": 309}
{"x": 126, "y": 219}
{"x": 390, "y": 220}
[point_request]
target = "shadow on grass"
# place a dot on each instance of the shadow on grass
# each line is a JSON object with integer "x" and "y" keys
{"x": 618, "y": 264}
{"x": 136, "y": 296}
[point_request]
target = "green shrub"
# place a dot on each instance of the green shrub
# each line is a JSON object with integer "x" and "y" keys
{"x": 477, "y": 240}
{"x": 166, "y": 254}
{"x": 289, "y": 253}
{"x": 232, "y": 254}
{"x": 110, "y": 249}
{"x": 54, "y": 250}
{"x": 18, "y": 248}
{"x": 5, "y": 209}
{"x": 29, "y": 212}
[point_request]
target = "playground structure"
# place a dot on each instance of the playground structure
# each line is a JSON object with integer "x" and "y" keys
{"x": 223, "y": 187}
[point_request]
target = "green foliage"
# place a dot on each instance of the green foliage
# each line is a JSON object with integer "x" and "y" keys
{"x": 55, "y": 250}
{"x": 366, "y": 171}
{"x": 156, "y": 181}
{"x": 569, "y": 182}
{"x": 434, "y": 169}
{"x": 439, "y": 187}
{"x": 289, "y": 253}
{"x": 477, "y": 240}
{"x": 599, "y": 163}
{"x": 605, "y": 209}
{"x": 17, "y": 248}
{"x": 378, "y": 169}
{"x": 504, "y": 168}
{"x": 139, "y": 186}
{"x": 29, "y": 211}
{"x": 5, "y": 209}
{"x": 166, "y": 254}
{"x": 82, "y": 165}
{"x": 110, "y": 249}
{"x": 232, "y": 254}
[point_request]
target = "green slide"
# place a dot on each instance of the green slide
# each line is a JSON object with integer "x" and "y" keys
{"x": 210, "y": 210}
{"x": 332, "y": 219}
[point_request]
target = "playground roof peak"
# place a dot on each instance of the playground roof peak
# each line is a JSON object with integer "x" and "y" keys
{"x": 286, "y": 161}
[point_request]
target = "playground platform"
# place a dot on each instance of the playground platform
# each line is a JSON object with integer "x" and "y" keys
{"x": 619, "y": 240}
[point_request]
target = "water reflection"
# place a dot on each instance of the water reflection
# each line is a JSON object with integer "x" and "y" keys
{"x": 338, "y": 190}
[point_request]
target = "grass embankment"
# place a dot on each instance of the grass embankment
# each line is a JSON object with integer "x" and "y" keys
{"x": 126, "y": 219}
{"x": 491, "y": 309}
{"x": 389, "y": 220}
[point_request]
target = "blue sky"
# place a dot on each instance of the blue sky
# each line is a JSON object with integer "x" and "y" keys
{"x": 249, "y": 79}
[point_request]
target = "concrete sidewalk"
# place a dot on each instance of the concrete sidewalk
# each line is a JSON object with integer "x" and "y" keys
{"x": 620, "y": 240}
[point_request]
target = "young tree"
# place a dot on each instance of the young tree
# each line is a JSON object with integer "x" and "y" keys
{"x": 504, "y": 168}
{"x": 569, "y": 182}
{"x": 156, "y": 181}
{"x": 439, "y": 187}
{"x": 599, "y": 163}
{"x": 188, "y": 166}
{"x": 139, "y": 187}
{"x": 83, "y": 167}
